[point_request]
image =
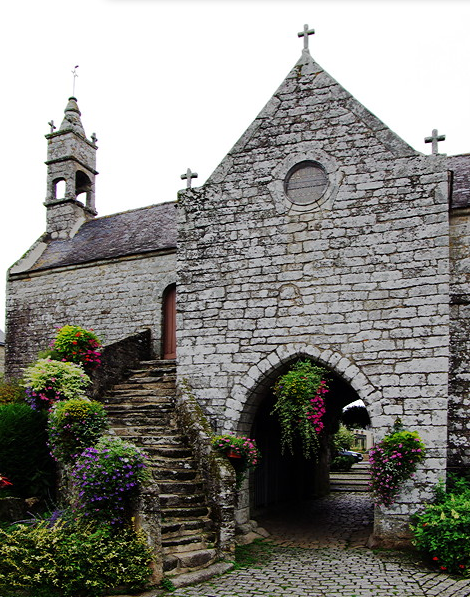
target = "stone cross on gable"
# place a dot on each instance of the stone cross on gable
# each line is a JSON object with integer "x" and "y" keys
{"x": 52, "y": 125}
{"x": 434, "y": 139}
{"x": 188, "y": 176}
{"x": 305, "y": 33}
{"x": 94, "y": 138}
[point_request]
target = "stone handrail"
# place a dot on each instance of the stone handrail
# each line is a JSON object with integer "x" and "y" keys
{"x": 119, "y": 357}
{"x": 218, "y": 474}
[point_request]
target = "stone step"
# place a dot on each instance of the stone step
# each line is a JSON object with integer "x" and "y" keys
{"x": 130, "y": 392}
{"x": 153, "y": 386}
{"x": 157, "y": 406}
{"x": 140, "y": 403}
{"x": 177, "y": 528}
{"x": 169, "y": 462}
{"x": 168, "y": 451}
{"x": 156, "y": 425}
{"x": 348, "y": 477}
{"x": 152, "y": 368}
{"x": 180, "y": 487}
{"x": 149, "y": 436}
{"x": 361, "y": 488}
{"x": 176, "y": 500}
{"x": 177, "y": 474}
{"x": 145, "y": 378}
{"x": 185, "y": 512}
{"x": 177, "y": 545}
{"x": 202, "y": 574}
{"x": 190, "y": 560}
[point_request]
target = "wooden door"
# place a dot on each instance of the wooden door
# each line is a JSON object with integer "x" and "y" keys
{"x": 169, "y": 323}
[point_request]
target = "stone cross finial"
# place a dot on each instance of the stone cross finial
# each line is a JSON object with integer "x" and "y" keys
{"x": 434, "y": 139}
{"x": 188, "y": 176}
{"x": 52, "y": 125}
{"x": 305, "y": 33}
{"x": 94, "y": 138}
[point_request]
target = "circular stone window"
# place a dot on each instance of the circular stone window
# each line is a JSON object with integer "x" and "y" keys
{"x": 305, "y": 183}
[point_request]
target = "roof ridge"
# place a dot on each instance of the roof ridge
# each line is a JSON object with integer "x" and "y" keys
{"x": 126, "y": 211}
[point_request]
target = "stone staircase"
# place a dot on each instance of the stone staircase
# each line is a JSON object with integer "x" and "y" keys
{"x": 141, "y": 409}
{"x": 356, "y": 479}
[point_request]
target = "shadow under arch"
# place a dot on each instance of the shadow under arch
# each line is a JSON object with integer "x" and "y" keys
{"x": 282, "y": 478}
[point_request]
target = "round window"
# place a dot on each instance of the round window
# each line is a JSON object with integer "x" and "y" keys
{"x": 305, "y": 183}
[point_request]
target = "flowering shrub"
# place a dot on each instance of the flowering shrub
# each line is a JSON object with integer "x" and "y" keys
{"x": 48, "y": 381}
{"x": 393, "y": 461}
{"x": 105, "y": 477}
{"x": 242, "y": 448}
{"x": 77, "y": 345}
{"x": 71, "y": 559}
{"x": 441, "y": 531}
{"x": 300, "y": 406}
{"x": 74, "y": 425}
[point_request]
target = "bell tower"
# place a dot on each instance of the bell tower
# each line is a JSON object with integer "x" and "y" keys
{"x": 71, "y": 161}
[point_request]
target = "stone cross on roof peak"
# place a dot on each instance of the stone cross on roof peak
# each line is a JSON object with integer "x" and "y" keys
{"x": 434, "y": 139}
{"x": 305, "y": 33}
{"x": 188, "y": 176}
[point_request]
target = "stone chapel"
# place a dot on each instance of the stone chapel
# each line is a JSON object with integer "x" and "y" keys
{"x": 321, "y": 235}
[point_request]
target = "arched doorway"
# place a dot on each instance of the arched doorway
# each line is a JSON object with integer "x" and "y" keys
{"x": 169, "y": 323}
{"x": 283, "y": 479}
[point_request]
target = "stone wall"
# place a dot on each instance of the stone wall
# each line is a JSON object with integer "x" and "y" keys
{"x": 115, "y": 297}
{"x": 459, "y": 382}
{"x": 360, "y": 283}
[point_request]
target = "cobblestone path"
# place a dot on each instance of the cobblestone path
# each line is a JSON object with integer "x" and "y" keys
{"x": 331, "y": 572}
{"x": 319, "y": 550}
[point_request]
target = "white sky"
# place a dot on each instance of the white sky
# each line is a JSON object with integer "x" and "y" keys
{"x": 168, "y": 85}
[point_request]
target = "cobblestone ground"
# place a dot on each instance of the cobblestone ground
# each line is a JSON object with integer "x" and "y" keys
{"x": 318, "y": 550}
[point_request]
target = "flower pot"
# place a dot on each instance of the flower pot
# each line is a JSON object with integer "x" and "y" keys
{"x": 233, "y": 454}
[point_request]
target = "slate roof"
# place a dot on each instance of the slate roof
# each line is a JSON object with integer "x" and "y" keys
{"x": 132, "y": 232}
{"x": 2, "y": 337}
{"x": 460, "y": 166}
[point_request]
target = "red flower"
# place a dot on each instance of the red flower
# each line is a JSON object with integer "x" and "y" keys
{"x": 435, "y": 558}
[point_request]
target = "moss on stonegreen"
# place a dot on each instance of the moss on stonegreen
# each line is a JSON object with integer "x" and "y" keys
{"x": 196, "y": 407}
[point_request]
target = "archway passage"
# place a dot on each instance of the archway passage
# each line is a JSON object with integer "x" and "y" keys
{"x": 290, "y": 494}
{"x": 285, "y": 478}
{"x": 169, "y": 323}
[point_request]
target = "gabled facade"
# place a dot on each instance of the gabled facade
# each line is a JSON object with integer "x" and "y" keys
{"x": 321, "y": 235}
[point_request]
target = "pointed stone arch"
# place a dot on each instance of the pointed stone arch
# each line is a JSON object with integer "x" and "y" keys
{"x": 253, "y": 386}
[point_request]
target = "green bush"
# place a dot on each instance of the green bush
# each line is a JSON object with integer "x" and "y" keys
{"x": 73, "y": 559}
{"x": 343, "y": 439}
{"x": 11, "y": 391}
{"x": 442, "y": 530}
{"x": 24, "y": 454}
{"x": 74, "y": 425}
{"x": 48, "y": 381}
{"x": 342, "y": 463}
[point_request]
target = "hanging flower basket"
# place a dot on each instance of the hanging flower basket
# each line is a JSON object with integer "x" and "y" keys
{"x": 241, "y": 452}
{"x": 300, "y": 406}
